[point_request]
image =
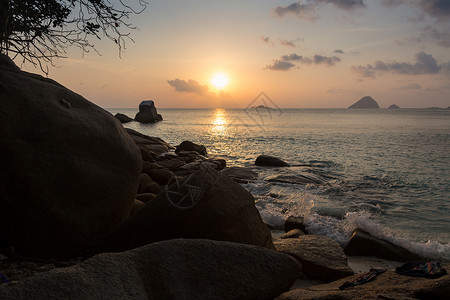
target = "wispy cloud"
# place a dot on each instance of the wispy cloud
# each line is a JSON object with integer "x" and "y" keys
{"x": 283, "y": 42}
{"x": 425, "y": 64}
{"x": 266, "y": 40}
{"x": 190, "y": 86}
{"x": 286, "y": 62}
{"x": 307, "y": 9}
{"x": 436, "y": 8}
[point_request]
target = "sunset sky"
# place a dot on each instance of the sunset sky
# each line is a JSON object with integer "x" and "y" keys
{"x": 321, "y": 53}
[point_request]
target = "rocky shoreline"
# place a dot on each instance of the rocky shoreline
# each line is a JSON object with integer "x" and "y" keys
{"x": 90, "y": 210}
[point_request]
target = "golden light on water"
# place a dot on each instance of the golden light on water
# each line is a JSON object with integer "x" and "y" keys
{"x": 219, "y": 122}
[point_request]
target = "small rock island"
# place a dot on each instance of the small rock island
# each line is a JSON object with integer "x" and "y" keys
{"x": 394, "y": 106}
{"x": 147, "y": 112}
{"x": 365, "y": 102}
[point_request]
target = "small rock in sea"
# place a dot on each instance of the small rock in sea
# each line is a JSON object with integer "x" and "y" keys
{"x": 123, "y": 118}
{"x": 270, "y": 161}
{"x": 147, "y": 113}
{"x": 365, "y": 102}
{"x": 190, "y": 146}
{"x": 293, "y": 222}
{"x": 363, "y": 244}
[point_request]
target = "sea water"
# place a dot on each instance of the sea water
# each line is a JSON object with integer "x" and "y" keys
{"x": 386, "y": 171}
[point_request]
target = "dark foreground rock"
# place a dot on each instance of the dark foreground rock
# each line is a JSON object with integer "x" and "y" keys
{"x": 365, "y": 102}
{"x": 123, "y": 118}
{"x": 295, "y": 222}
{"x": 190, "y": 146}
{"x": 321, "y": 257}
{"x": 147, "y": 113}
{"x": 388, "y": 285}
{"x": 175, "y": 269}
{"x": 205, "y": 204}
{"x": 363, "y": 244}
{"x": 270, "y": 161}
{"x": 69, "y": 171}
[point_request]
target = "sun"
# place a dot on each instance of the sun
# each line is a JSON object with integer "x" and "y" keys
{"x": 220, "y": 80}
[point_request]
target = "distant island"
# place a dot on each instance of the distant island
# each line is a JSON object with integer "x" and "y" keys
{"x": 393, "y": 106}
{"x": 365, "y": 102}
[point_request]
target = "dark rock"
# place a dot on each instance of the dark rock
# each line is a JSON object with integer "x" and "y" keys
{"x": 172, "y": 164}
{"x": 321, "y": 257}
{"x": 137, "y": 205}
{"x": 69, "y": 171}
{"x": 365, "y": 102}
{"x": 393, "y": 106}
{"x": 207, "y": 205}
{"x": 294, "y": 222}
{"x": 144, "y": 180}
{"x": 123, "y": 118}
{"x": 294, "y": 233}
{"x": 161, "y": 176}
{"x": 190, "y": 146}
{"x": 147, "y": 113}
{"x": 145, "y": 197}
{"x": 363, "y": 244}
{"x": 388, "y": 285}
{"x": 175, "y": 269}
{"x": 270, "y": 161}
{"x": 147, "y": 155}
{"x": 240, "y": 174}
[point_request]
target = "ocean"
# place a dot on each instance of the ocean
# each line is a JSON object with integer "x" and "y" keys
{"x": 386, "y": 171}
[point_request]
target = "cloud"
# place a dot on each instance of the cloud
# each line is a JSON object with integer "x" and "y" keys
{"x": 190, "y": 86}
{"x": 411, "y": 86}
{"x": 441, "y": 38}
{"x": 390, "y": 3}
{"x": 287, "y": 43}
{"x": 425, "y": 64}
{"x": 339, "y": 51}
{"x": 280, "y": 65}
{"x": 331, "y": 61}
{"x": 285, "y": 62}
{"x": 266, "y": 40}
{"x": 436, "y": 8}
{"x": 307, "y": 10}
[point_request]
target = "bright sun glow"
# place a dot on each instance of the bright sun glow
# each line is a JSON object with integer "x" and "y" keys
{"x": 220, "y": 80}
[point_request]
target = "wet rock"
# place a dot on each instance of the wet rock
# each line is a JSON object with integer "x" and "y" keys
{"x": 240, "y": 174}
{"x": 388, "y": 285}
{"x": 145, "y": 197}
{"x": 363, "y": 244}
{"x": 153, "y": 144}
{"x": 294, "y": 233}
{"x": 69, "y": 171}
{"x": 147, "y": 154}
{"x": 172, "y": 164}
{"x": 295, "y": 222}
{"x": 147, "y": 112}
{"x": 321, "y": 257}
{"x": 304, "y": 178}
{"x": 205, "y": 204}
{"x": 190, "y": 146}
{"x": 123, "y": 118}
{"x": 175, "y": 269}
{"x": 270, "y": 161}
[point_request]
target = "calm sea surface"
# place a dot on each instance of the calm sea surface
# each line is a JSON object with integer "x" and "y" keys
{"x": 386, "y": 171}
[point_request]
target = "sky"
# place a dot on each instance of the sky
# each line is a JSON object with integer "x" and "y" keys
{"x": 301, "y": 54}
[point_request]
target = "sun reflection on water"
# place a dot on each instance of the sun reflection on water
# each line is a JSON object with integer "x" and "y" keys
{"x": 219, "y": 122}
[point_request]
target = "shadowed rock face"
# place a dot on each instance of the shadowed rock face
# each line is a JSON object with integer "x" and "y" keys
{"x": 147, "y": 113}
{"x": 69, "y": 171}
{"x": 365, "y": 102}
{"x": 175, "y": 269}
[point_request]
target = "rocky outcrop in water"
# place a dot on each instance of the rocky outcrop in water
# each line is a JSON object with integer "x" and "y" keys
{"x": 270, "y": 161}
{"x": 69, "y": 171}
{"x": 123, "y": 118}
{"x": 365, "y": 102}
{"x": 393, "y": 106}
{"x": 147, "y": 113}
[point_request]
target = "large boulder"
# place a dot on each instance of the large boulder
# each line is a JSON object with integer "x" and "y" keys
{"x": 388, "y": 285}
{"x": 270, "y": 161}
{"x": 69, "y": 171}
{"x": 147, "y": 113}
{"x": 190, "y": 146}
{"x": 365, "y": 102}
{"x": 175, "y": 269}
{"x": 321, "y": 257}
{"x": 362, "y": 243}
{"x": 206, "y": 204}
